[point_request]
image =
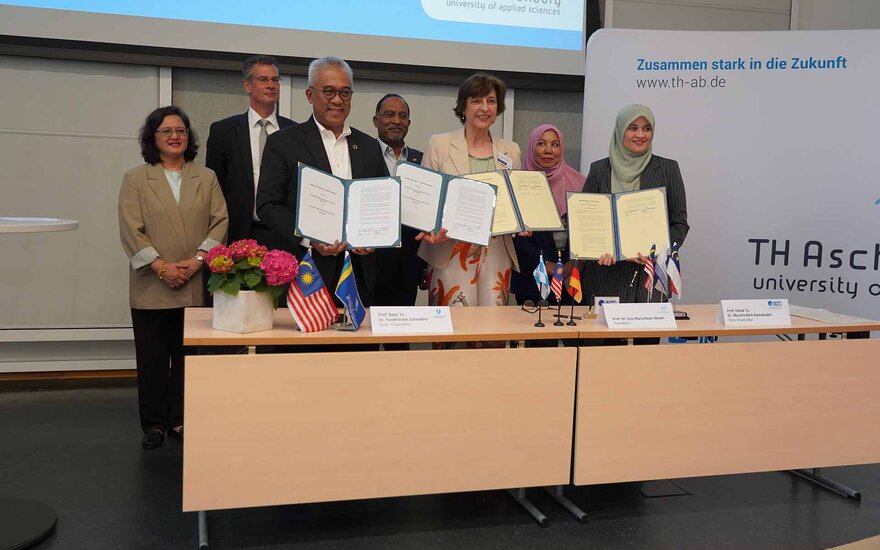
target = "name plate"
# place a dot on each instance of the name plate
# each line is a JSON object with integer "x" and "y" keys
{"x": 754, "y": 313}
{"x": 599, "y": 301}
{"x": 636, "y": 316}
{"x": 411, "y": 320}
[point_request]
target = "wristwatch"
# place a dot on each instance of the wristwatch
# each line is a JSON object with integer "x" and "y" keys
{"x": 200, "y": 258}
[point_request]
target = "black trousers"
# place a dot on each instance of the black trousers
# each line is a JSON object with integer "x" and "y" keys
{"x": 158, "y": 343}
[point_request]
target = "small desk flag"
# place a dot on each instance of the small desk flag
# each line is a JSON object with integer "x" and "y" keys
{"x": 541, "y": 279}
{"x": 347, "y": 292}
{"x": 308, "y": 300}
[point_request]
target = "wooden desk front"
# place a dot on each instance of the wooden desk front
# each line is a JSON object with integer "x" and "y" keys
{"x": 658, "y": 412}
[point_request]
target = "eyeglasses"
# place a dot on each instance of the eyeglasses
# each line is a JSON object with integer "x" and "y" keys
{"x": 329, "y": 93}
{"x": 168, "y": 132}
{"x": 266, "y": 79}
{"x": 402, "y": 115}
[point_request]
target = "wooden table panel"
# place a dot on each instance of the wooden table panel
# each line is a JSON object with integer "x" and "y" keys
{"x": 293, "y": 428}
{"x": 695, "y": 410}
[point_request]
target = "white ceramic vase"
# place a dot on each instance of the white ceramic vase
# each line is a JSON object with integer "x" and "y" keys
{"x": 247, "y": 311}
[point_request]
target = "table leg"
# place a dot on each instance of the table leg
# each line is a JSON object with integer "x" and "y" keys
{"x": 203, "y": 530}
{"x": 519, "y": 495}
{"x": 815, "y": 476}
{"x": 557, "y": 495}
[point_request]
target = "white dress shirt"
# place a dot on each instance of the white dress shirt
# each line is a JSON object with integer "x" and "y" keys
{"x": 337, "y": 150}
{"x": 337, "y": 154}
{"x": 390, "y": 159}
{"x": 254, "y": 130}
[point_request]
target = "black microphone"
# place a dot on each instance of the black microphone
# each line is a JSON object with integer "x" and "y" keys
{"x": 528, "y": 303}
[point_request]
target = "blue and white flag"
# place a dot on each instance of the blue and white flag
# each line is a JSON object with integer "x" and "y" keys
{"x": 347, "y": 292}
{"x": 660, "y": 276}
{"x": 541, "y": 279}
{"x": 674, "y": 270}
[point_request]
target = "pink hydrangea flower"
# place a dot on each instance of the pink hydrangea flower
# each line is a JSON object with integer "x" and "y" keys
{"x": 219, "y": 260}
{"x": 246, "y": 248}
{"x": 280, "y": 267}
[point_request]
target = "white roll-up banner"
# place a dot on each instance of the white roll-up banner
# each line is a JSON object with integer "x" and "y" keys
{"x": 778, "y": 138}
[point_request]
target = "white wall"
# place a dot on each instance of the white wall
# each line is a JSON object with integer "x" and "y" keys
{"x": 715, "y": 15}
{"x": 837, "y": 14}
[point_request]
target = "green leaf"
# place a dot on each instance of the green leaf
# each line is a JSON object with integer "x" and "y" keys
{"x": 231, "y": 287}
{"x": 252, "y": 279}
{"x": 215, "y": 282}
{"x": 276, "y": 291}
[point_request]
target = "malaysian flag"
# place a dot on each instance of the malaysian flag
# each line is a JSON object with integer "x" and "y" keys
{"x": 556, "y": 283}
{"x": 308, "y": 299}
{"x": 649, "y": 268}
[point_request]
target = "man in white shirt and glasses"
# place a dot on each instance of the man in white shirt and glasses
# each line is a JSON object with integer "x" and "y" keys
{"x": 326, "y": 142}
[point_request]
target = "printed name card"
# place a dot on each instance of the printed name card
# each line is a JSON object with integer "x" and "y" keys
{"x": 754, "y": 313}
{"x": 599, "y": 301}
{"x": 638, "y": 316}
{"x": 411, "y": 320}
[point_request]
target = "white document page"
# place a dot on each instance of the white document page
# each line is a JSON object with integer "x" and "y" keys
{"x": 420, "y": 192}
{"x": 641, "y": 222}
{"x": 467, "y": 215}
{"x": 373, "y": 213}
{"x": 321, "y": 206}
{"x": 590, "y": 225}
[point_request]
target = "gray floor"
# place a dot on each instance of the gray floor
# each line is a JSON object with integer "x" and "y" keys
{"x": 79, "y": 451}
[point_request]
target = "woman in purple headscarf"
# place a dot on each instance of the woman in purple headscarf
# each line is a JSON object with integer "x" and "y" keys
{"x": 546, "y": 145}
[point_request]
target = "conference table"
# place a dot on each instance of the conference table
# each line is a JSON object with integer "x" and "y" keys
{"x": 314, "y": 427}
{"x": 25, "y": 522}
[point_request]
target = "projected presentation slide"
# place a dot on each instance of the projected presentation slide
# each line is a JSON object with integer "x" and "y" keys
{"x": 546, "y": 24}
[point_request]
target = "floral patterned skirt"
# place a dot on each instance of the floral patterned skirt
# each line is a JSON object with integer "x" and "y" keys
{"x": 475, "y": 276}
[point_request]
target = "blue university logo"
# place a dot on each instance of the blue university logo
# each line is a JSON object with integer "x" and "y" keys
{"x": 774, "y": 303}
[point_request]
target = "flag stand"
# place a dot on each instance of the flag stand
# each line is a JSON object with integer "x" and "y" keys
{"x": 558, "y": 322}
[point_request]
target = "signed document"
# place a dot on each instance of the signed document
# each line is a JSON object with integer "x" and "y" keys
{"x": 468, "y": 211}
{"x": 623, "y": 224}
{"x": 506, "y": 220}
{"x": 534, "y": 200}
{"x": 590, "y": 225}
{"x": 641, "y": 222}
{"x": 365, "y": 213}
{"x": 421, "y": 196}
{"x": 525, "y": 202}
{"x": 373, "y": 219}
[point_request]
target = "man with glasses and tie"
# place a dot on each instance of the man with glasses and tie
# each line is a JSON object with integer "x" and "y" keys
{"x": 235, "y": 148}
{"x": 328, "y": 143}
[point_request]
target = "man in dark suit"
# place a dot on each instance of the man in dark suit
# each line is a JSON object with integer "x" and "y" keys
{"x": 234, "y": 149}
{"x": 402, "y": 269}
{"x": 328, "y": 143}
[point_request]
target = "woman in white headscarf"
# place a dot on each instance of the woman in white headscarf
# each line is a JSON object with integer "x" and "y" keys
{"x": 630, "y": 166}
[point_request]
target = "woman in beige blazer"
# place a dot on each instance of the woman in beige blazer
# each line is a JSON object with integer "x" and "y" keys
{"x": 461, "y": 273}
{"x": 171, "y": 212}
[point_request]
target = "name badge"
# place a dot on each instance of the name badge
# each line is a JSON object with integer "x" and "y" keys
{"x": 754, "y": 313}
{"x": 638, "y": 316}
{"x": 505, "y": 161}
{"x": 411, "y": 320}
